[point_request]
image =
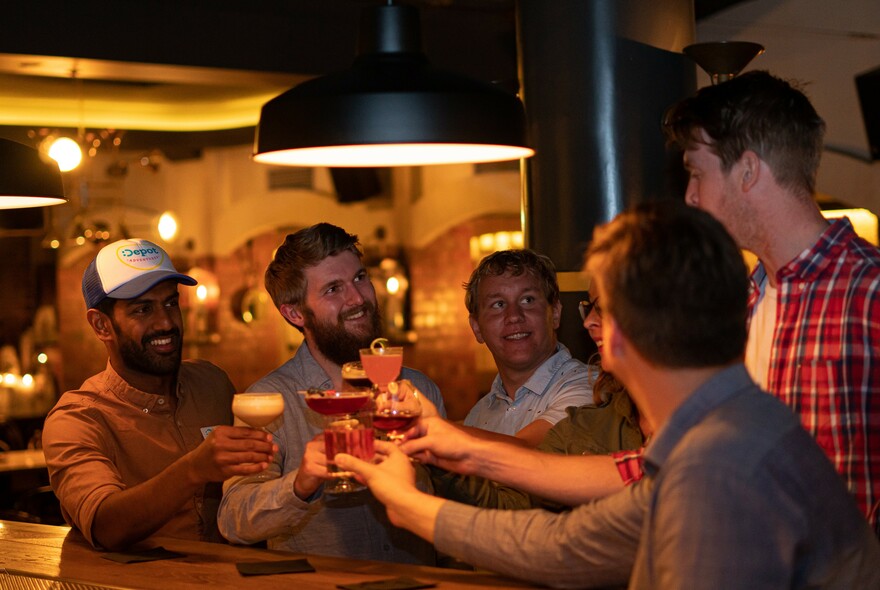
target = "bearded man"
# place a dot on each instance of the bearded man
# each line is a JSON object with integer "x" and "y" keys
{"x": 141, "y": 448}
{"x": 319, "y": 284}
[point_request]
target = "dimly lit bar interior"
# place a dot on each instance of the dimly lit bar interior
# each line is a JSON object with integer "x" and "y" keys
{"x": 439, "y": 133}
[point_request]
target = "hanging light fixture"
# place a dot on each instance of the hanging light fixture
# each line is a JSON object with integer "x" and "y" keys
{"x": 723, "y": 60}
{"x": 26, "y": 179}
{"x": 391, "y": 108}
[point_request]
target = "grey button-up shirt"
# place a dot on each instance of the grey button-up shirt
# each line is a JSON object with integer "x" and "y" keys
{"x": 266, "y": 508}
{"x": 735, "y": 495}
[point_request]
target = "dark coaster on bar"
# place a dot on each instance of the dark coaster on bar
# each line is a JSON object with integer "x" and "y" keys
{"x": 402, "y": 583}
{"x": 154, "y": 554}
{"x": 262, "y": 568}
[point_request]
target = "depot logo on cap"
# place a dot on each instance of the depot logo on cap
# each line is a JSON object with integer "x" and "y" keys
{"x": 127, "y": 269}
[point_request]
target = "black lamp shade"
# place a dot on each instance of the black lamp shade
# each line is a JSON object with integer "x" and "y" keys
{"x": 391, "y": 108}
{"x": 27, "y": 179}
{"x": 723, "y": 60}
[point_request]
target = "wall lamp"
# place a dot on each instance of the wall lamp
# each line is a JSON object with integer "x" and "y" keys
{"x": 391, "y": 108}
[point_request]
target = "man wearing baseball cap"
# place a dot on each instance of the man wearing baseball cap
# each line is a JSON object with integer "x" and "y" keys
{"x": 142, "y": 447}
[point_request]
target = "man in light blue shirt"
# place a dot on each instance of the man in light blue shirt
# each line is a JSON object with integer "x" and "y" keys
{"x": 514, "y": 306}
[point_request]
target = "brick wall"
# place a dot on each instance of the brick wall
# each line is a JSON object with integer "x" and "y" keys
{"x": 445, "y": 350}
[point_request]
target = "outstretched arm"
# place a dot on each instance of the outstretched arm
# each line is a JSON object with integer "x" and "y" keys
{"x": 392, "y": 482}
{"x": 130, "y": 515}
{"x": 569, "y": 480}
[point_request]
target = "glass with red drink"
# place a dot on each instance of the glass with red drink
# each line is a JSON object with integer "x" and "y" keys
{"x": 348, "y": 428}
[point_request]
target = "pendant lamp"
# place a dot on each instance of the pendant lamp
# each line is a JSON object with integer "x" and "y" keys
{"x": 723, "y": 60}
{"x": 391, "y": 108}
{"x": 26, "y": 179}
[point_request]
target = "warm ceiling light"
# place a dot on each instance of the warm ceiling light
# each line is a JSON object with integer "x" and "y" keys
{"x": 66, "y": 152}
{"x": 391, "y": 108}
{"x": 27, "y": 179}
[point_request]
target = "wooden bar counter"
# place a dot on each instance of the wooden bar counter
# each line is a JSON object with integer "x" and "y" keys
{"x": 36, "y": 556}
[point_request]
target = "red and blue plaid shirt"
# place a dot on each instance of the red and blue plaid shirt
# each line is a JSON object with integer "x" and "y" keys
{"x": 825, "y": 357}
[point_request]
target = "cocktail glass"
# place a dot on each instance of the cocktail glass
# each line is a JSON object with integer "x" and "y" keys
{"x": 382, "y": 365}
{"x": 348, "y": 428}
{"x": 258, "y": 410}
{"x": 396, "y": 409}
{"x": 354, "y": 377}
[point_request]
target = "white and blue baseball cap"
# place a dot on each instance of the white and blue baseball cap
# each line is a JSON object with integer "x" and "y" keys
{"x": 127, "y": 269}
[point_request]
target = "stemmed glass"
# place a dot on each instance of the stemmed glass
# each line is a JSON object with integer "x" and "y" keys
{"x": 396, "y": 409}
{"x": 258, "y": 410}
{"x": 348, "y": 429}
{"x": 382, "y": 363}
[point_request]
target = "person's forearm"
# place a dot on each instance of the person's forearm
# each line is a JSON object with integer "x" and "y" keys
{"x": 133, "y": 514}
{"x": 570, "y": 480}
{"x": 416, "y": 512}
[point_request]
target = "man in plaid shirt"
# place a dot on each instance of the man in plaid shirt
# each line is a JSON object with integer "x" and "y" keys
{"x": 752, "y": 147}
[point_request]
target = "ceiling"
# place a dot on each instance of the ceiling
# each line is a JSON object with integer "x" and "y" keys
{"x": 181, "y": 74}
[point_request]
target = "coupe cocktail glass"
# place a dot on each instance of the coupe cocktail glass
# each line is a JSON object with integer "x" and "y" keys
{"x": 382, "y": 364}
{"x": 258, "y": 410}
{"x": 354, "y": 376}
{"x": 348, "y": 428}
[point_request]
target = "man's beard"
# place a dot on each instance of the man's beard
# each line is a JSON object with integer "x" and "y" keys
{"x": 335, "y": 341}
{"x": 139, "y": 357}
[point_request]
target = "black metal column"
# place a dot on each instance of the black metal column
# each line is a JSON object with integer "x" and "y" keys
{"x": 596, "y": 77}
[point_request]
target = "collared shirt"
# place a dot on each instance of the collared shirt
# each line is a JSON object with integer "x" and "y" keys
{"x": 108, "y": 436}
{"x": 265, "y": 507}
{"x": 735, "y": 495}
{"x": 561, "y": 381}
{"x": 825, "y": 358}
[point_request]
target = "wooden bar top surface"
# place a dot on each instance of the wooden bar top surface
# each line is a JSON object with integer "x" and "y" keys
{"x": 49, "y": 556}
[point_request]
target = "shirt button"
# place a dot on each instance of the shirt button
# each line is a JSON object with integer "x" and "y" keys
{"x": 161, "y": 401}
{"x": 146, "y": 410}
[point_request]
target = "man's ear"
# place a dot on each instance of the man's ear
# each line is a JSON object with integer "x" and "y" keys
{"x": 475, "y": 326}
{"x": 557, "y": 314}
{"x": 751, "y": 170}
{"x": 292, "y": 314}
{"x": 101, "y": 325}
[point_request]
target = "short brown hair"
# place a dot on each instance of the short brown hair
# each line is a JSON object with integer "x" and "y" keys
{"x": 515, "y": 262}
{"x": 675, "y": 283}
{"x": 285, "y": 277}
{"x": 759, "y": 112}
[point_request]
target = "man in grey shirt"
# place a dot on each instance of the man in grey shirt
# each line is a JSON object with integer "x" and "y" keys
{"x": 735, "y": 494}
{"x": 320, "y": 286}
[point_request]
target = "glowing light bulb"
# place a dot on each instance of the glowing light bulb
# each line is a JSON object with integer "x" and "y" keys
{"x": 66, "y": 152}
